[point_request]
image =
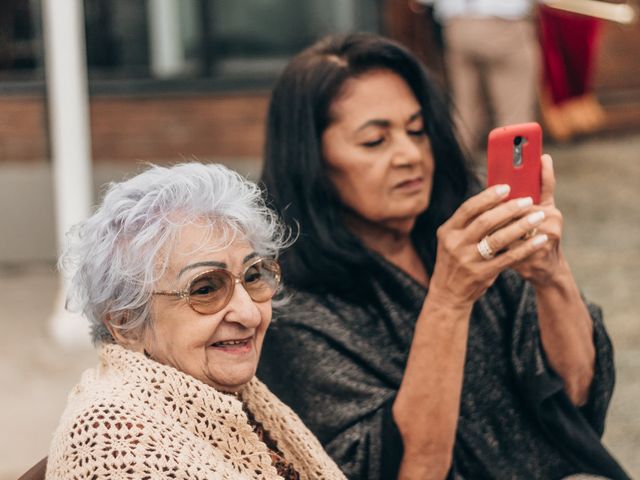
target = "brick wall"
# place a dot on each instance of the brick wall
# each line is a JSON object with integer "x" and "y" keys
{"x": 22, "y": 129}
{"x": 618, "y": 67}
{"x": 135, "y": 128}
{"x": 229, "y": 126}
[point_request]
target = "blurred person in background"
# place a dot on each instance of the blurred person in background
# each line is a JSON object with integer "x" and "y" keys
{"x": 569, "y": 47}
{"x": 433, "y": 330}
{"x": 491, "y": 54}
{"x": 176, "y": 272}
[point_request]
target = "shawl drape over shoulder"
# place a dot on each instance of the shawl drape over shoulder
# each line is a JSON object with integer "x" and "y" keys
{"x": 132, "y": 417}
{"x": 338, "y": 363}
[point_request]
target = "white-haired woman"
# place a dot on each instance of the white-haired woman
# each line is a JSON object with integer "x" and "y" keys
{"x": 176, "y": 272}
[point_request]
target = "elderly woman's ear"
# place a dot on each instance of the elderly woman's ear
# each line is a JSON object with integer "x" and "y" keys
{"x": 130, "y": 339}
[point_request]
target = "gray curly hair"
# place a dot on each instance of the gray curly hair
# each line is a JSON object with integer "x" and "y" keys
{"x": 115, "y": 257}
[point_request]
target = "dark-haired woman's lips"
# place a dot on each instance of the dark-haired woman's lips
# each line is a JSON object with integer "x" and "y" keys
{"x": 410, "y": 185}
{"x": 235, "y": 345}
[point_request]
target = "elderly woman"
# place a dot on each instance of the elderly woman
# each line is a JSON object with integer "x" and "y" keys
{"x": 176, "y": 272}
{"x": 408, "y": 348}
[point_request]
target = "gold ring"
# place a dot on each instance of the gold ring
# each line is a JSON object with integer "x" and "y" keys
{"x": 484, "y": 249}
{"x": 531, "y": 233}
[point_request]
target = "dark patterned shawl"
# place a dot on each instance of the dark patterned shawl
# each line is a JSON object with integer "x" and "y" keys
{"x": 339, "y": 363}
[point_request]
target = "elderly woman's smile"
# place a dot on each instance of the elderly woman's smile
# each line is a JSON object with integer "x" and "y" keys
{"x": 221, "y": 348}
{"x": 176, "y": 272}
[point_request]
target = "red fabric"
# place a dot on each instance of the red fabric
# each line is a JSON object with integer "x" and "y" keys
{"x": 569, "y": 46}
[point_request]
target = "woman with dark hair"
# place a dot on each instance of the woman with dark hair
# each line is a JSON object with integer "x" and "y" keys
{"x": 433, "y": 329}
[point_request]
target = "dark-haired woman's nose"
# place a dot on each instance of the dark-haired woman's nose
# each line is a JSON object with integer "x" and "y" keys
{"x": 407, "y": 151}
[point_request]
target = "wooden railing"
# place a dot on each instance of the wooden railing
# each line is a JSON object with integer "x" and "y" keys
{"x": 624, "y": 13}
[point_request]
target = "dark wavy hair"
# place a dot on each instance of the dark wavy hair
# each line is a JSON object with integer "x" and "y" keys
{"x": 327, "y": 256}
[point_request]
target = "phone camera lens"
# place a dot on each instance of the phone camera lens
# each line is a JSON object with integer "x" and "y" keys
{"x": 517, "y": 141}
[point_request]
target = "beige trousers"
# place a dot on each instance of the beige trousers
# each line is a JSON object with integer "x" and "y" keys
{"x": 493, "y": 69}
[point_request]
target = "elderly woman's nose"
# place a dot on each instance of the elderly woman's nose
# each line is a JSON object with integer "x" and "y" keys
{"x": 242, "y": 308}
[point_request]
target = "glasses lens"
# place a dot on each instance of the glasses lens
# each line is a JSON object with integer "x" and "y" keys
{"x": 261, "y": 279}
{"x": 208, "y": 293}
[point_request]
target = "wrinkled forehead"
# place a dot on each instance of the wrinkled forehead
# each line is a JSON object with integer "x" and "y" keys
{"x": 205, "y": 239}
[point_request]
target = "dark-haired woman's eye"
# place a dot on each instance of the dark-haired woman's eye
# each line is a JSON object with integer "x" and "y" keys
{"x": 373, "y": 143}
{"x": 417, "y": 133}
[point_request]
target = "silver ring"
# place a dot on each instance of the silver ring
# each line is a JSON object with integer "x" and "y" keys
{"x": 484, "y": 249}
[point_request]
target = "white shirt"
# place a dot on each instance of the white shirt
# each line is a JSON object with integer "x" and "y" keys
{"x": 443, "y": 10}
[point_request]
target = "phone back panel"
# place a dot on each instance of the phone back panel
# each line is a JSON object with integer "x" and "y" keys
{"x": 525, "y": 178}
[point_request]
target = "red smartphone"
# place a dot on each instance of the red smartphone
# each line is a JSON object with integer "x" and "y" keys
{"x": 513, "y": 157}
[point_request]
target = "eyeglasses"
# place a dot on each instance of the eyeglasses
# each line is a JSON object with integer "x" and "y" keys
{"x": 210, "y": 291}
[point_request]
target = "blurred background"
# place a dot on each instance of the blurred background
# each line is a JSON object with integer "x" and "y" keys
{"x": 169, "y": 80}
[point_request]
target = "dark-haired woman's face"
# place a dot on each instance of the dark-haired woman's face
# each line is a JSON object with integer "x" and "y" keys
{"x": 377, "y": 153}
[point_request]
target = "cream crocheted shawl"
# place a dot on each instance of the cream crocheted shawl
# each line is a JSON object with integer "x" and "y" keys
{"x": 134, "y": 418}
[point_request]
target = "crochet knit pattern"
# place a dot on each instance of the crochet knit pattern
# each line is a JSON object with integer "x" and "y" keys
{"x": 133, "y": 418}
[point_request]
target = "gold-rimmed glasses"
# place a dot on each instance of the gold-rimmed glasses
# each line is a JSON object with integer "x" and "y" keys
{"x": 209, "y": 292}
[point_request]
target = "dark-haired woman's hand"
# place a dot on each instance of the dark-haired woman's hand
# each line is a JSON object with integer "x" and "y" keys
{"x": 566, "y": 328}
{"x": 465, "y": 267}
{"x": 547, "y": 263}
{"x": 480, "y": 240}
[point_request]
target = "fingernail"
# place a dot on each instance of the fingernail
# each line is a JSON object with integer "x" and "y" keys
{"x": 535, "y": 218}
{"x": 525, "y": 202}
{"x": 502, "y": 190}
{"x": 546, "y": 155}
{"x": 539, "y": 239}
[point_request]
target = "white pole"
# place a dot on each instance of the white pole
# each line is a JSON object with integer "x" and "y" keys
{"x": 165, "y": 41}
{"x": 68, "y": 99}
{"x": 345, "y": 15}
